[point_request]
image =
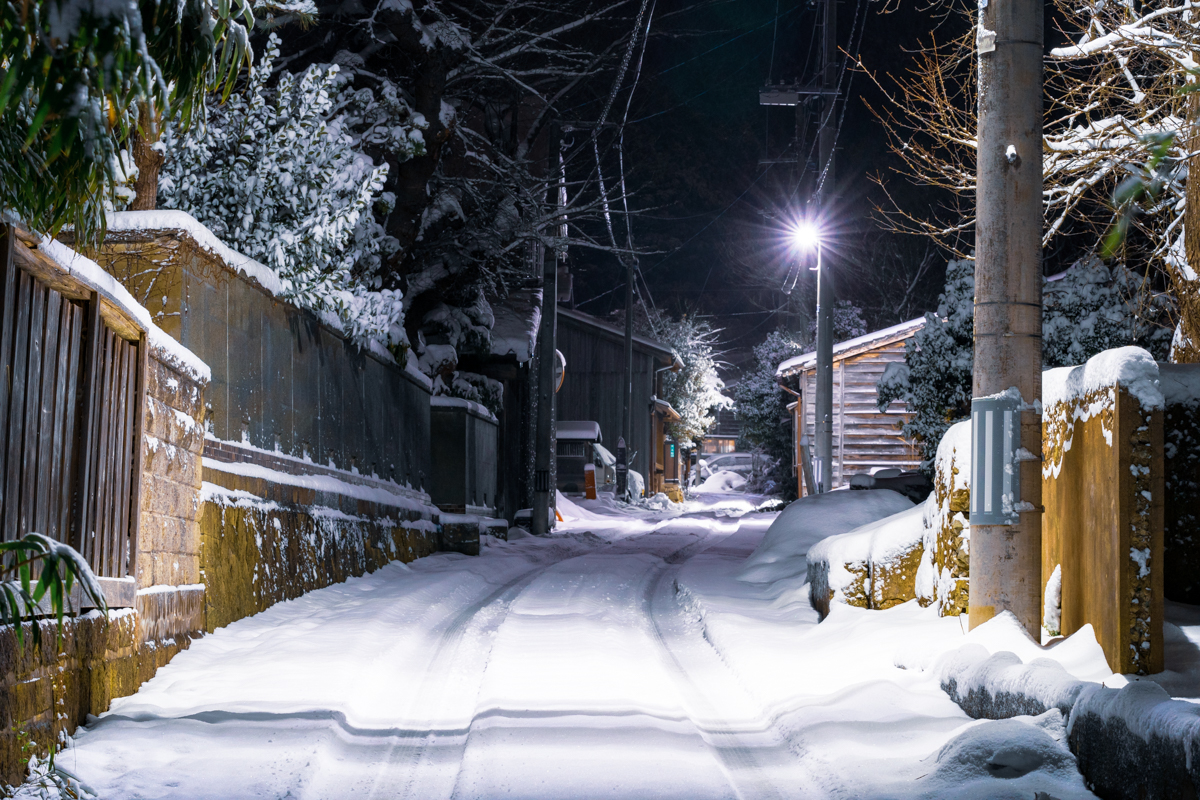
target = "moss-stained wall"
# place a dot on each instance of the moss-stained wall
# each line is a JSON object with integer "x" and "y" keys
{"x": 263, "y": 541}
{"x": 1102, "y": 487}
{"x": 48, "y": 690}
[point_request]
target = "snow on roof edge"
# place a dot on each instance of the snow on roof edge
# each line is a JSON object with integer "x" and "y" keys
{"x": 89, "y": 272}
{"x": 799, "y": 361}
{"x": 578, "y": 429}
{"x": 166, "y": 220}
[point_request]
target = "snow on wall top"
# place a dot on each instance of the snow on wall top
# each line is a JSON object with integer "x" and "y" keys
{"x": 1179, "y": 383}
{"x": 89, "y": 272}
{"x": 581, "y": 429}
{"x": 459, "y": 402}
{"x": 809, "y": 359}
{"x": 183, "y": 221}
{"x": 517, "y": 320}
{"x": 1130, "y": 367}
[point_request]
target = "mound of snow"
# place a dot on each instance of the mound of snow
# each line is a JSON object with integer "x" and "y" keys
{"x": 782, "y": 553}
{"x": 571, "y": 512}
{"x": 723, "y": 481}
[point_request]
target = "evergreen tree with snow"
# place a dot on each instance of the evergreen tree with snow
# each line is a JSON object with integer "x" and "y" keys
{"x": 761, "y": 406}
{"x": 1087, "y": 309}
{"x": 696, "y": 390}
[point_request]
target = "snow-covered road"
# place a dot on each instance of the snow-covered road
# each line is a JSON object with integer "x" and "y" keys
{"x": 619, "y": 658}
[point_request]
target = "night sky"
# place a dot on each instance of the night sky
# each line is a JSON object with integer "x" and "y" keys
{"x": 694, "y": 144}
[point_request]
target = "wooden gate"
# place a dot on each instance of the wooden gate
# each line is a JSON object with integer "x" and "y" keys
{"x": 72, "y": 378}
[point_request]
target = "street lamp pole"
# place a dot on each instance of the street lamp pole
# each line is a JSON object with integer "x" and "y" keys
{"x": 824, "y": 406}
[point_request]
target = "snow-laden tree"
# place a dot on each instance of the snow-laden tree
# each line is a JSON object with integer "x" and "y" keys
{"x": 278, "y": 172}
{"x": 1087, "y": 309}
{"x": 761, "y": 406}
{"x": 469, "y": 212}
{"x": 1118, "y": 107}
{"x": 72, "y": 76}
{"x": 696, "y": 391}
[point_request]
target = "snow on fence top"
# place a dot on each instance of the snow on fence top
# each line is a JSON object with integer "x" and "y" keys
{"x": 904, "y": 329}
{"x": 578, "y": 430}
{"x": 1179, "y": 384}
{"x": 124, "y": 221}
{"x": 1130, "y": 367}
{"x": 90, "y": 273}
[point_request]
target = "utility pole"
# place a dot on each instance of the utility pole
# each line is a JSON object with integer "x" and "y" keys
{"x": 1006, "y": 558}
{"x": 627, "y": 409}
{"x": 544, "y": 479}
{"x": 827, "y": 137}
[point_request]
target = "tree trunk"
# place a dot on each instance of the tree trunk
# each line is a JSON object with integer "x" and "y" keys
{"x": 1187, "y": 292}
{"x": 148, "y": 160}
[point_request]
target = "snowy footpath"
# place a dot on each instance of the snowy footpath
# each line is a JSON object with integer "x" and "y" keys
{"x": 622, "y": 657}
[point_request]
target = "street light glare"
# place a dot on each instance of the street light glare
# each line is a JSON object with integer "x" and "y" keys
{"x": 806, "y": 235}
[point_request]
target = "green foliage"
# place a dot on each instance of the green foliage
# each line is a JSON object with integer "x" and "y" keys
{"x": 38, "y": 567}
{"x": 73, "y": 74}
{"x": 1089, "y": 309}
{"x": 762, "y": 405}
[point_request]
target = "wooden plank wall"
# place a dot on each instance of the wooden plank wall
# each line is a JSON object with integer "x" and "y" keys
{"x": 71, "y": 383}
{"x": 871, "y": 439}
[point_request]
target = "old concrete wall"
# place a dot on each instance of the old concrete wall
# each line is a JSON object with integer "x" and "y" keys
{"x": 273, "y": 528}
{"x": 1181, "y": 480}
{"x": 282, "y": 379}
{"x": 1103, "y": 493}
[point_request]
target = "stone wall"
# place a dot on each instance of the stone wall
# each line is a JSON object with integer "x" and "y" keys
{"x": 1181, "y": 466}
{"x": 274, "y": 527}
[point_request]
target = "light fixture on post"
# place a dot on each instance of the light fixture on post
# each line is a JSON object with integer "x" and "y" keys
{"x": 807, "y": 236}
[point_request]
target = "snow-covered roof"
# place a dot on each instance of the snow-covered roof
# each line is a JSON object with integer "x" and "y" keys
{"x": 518, "y": 318}
{"x": 665, "y": 407}
{"x": 664, "y": 353}
{"x": 854, "y": 346}
{"x": 579, "y": 430}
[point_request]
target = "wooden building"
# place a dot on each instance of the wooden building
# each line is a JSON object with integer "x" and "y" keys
{"x": 668, "y": 458}
{"x": 591, "y": 389}
{"x": 865, "y": 439}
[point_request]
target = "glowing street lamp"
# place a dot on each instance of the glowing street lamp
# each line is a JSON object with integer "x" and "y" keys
{"x": 807, "y": 236}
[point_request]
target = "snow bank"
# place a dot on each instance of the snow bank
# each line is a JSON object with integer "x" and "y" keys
{"x": 872, "y": 566}
{"x": 1130, "y": 367}
{"x": 807, "y": 521}
{"x": 723, "y": 481}
{"x": 570, "y": 511}
{"x": 123, "y": 221}
{"x": 89, "y": 272}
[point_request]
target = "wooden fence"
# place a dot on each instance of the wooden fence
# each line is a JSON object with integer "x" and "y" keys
{"x": 72, "y": 378}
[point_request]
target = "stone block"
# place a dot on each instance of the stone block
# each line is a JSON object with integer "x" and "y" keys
{"x": 460, "y": 534}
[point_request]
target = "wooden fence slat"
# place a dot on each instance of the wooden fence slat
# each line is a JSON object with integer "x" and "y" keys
{"x": 64, "y": 464}
{"x": 139, "y": 454}
{"x": 9, "y": 286}
{"x": 103, "y": 457}
{"x": 124, "y": 453}
{"x": 33, "y": 408}
{"x": 93, "y": 366}
{"x": 64, "y": 405}
{"x": 16, "y": 420}
{"x": 49, "y": 393}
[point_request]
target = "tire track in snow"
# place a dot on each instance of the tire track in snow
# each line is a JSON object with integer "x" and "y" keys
{"x": 689, "y": 654}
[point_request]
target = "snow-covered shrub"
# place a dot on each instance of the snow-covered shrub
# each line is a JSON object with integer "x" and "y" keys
{"x": 278, "y": 173}
{"x": 1087, "y": 309}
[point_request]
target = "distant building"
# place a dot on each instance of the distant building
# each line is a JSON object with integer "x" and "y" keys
{"x": 865, "y": 439}
{"x": 724, "y": 435}
{"x": 591, "y": 390}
